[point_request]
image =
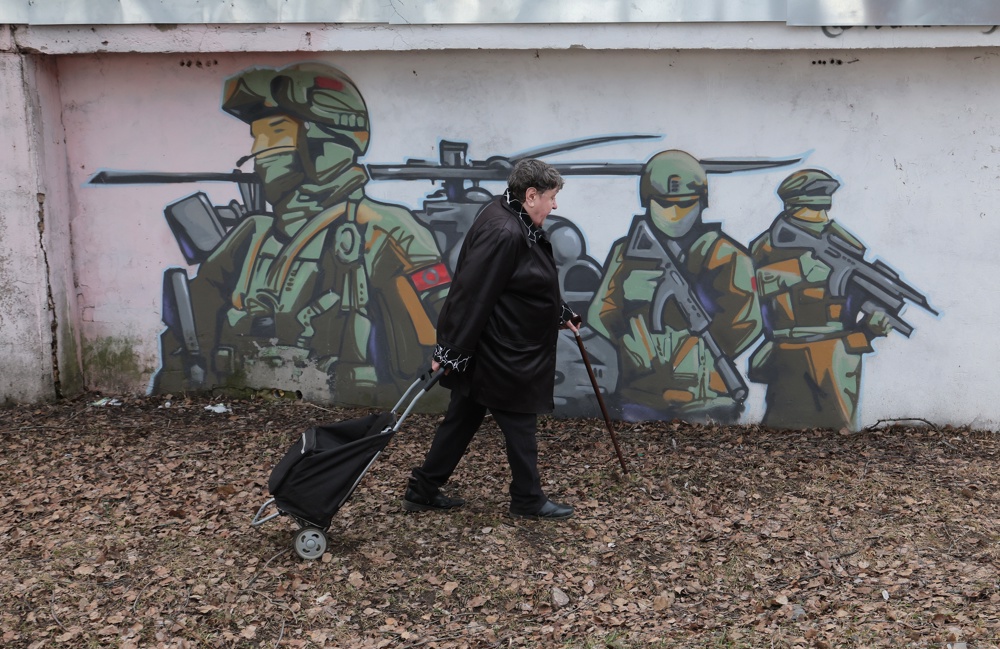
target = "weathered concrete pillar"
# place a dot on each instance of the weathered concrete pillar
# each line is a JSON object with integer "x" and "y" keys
{"x": 37, "y": 300}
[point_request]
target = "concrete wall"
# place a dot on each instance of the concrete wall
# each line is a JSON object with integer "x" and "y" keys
{"x": 39, "y": 350}
{"x": 46, "y": 127}
{"x": 904, "y": 119}
{"x": 26, "y": 319}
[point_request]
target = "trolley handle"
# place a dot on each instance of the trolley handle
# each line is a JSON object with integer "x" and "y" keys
{"x": 432, "y": 377}
{"x": 424, "y": 382}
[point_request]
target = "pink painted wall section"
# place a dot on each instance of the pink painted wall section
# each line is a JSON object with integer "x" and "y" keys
{"x": 173, "y": 123}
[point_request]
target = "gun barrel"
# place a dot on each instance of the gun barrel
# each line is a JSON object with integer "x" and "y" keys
{"x": 881, "y": 281}
{"x": 161, "y": 177}
{"x": 726, "y": 368}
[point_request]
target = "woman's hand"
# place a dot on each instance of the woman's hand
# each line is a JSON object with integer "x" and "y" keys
{"x": 574, "y": 323}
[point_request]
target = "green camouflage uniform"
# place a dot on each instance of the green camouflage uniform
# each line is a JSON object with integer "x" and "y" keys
{"x": 671, "y": 373}
{"x": 332, "y": 284}
{"x": 811, "y": 361}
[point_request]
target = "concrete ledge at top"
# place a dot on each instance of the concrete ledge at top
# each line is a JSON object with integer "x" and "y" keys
{"x": 323, "y": 38}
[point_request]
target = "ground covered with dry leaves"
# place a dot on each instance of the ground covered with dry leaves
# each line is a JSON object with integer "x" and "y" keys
{"x": 129, "y": 525}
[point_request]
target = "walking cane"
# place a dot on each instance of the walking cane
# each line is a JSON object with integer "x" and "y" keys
{"x": 600, "y": 400}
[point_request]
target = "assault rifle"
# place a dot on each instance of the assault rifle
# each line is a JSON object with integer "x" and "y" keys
{"x": 879, "y": 285}
{"x": 643, "y": 244}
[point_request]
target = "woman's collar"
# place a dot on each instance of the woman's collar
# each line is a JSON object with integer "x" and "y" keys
{"x": 533, "y": 231}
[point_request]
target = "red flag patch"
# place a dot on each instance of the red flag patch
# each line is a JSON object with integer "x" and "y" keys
{"x": 431, "y": 276}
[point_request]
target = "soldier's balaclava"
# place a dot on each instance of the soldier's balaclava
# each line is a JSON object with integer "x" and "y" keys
{"x": 675, "y": 221}
{"x": 280, "y": 171}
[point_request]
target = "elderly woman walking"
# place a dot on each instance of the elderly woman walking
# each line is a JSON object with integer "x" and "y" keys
{"x": 496, "y": 340}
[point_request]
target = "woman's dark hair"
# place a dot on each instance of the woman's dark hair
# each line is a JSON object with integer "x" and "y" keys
{"x": 530, "y": 172}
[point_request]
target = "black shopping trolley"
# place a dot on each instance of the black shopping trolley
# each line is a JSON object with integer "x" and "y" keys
{"x": 320, "y": 472}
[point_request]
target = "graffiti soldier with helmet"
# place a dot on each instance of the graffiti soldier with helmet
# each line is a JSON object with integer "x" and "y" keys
{"x": 328, "y": 280}
{"x": 811, "y": 360}
{"x": 677, "y": 300}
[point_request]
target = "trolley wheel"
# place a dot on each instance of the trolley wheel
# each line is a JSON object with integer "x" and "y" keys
{"x": 310, "y": 543}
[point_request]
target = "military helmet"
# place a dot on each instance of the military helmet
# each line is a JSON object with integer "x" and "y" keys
{"x": 808, "y": 188}
{"x": 311, "y": 92}
{"x": 673, "y": 174}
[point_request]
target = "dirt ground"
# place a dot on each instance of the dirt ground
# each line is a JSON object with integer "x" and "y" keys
{"x": 127, "y": 524}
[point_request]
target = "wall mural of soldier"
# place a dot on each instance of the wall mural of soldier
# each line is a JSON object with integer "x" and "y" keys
{"x": 328, "y": 276}
{"x": 823, "y": 305}
{"x": 325, "y": 281}
{"x": 677, "y": 301}
{"x": 309, "y": 281}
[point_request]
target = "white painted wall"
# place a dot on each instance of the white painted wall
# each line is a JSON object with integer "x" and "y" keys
{"x": 907, "y": 119}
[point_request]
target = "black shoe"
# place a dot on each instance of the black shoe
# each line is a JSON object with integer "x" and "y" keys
{"x": 549, "y": 510}
{"x": 413, "y": 502}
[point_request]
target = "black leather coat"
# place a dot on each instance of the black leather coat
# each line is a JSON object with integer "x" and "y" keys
{"x": 503, "y": 313}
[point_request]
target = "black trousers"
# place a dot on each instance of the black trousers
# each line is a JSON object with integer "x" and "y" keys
{"x": 453, "y": 436}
